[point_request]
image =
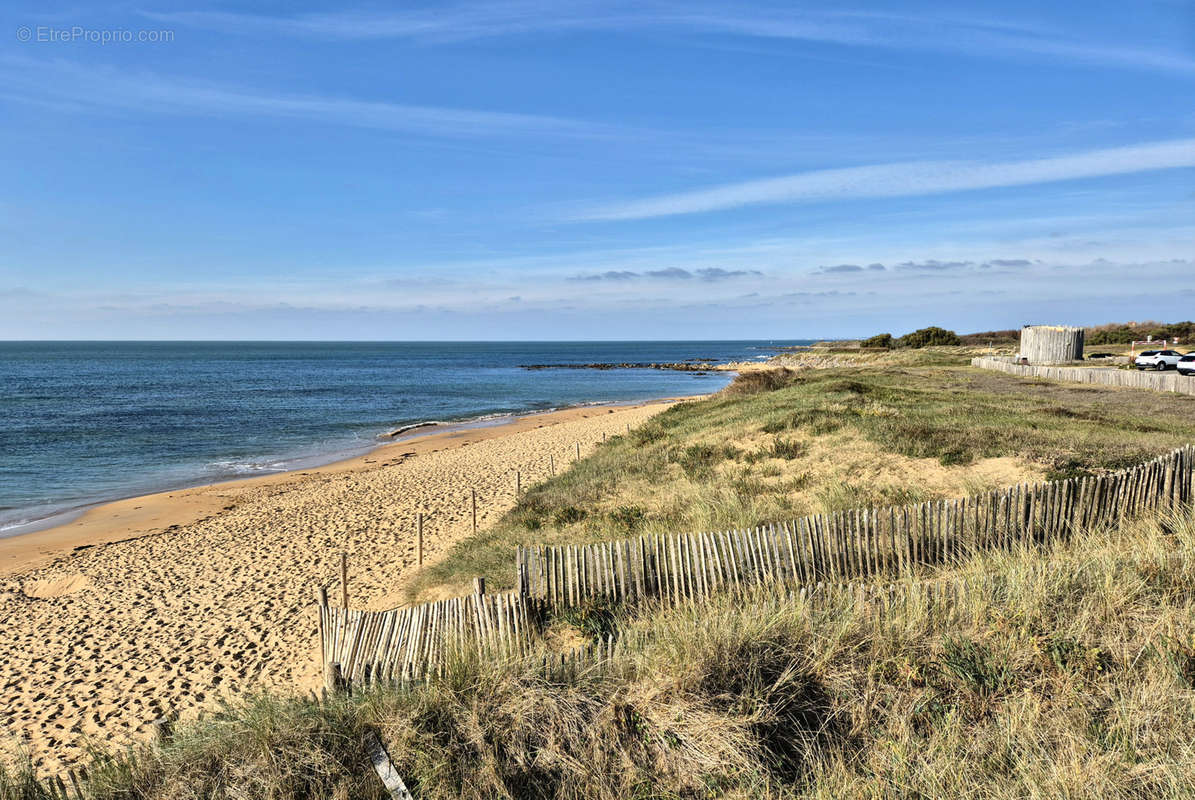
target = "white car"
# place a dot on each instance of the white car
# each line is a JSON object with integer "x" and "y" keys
{"x": 1186, "y": 364}
{"x": 1158, "y": 359}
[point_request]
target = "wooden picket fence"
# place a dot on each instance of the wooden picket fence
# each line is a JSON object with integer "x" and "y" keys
{"x": 595, "y": 657}
{"x": 408, "y": 644}
{"x": 416, "y": 663}
{"x": 72, "y": 788}
{"x": 809, "y": 555}
{"x": 1130, "y": 378}
{"x": 838, "y": 547}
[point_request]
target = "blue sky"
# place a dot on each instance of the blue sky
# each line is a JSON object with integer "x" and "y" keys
{"x": 553, "y": 170}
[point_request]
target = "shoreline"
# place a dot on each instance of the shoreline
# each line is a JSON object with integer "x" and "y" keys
{"x": 136, "y": 516}
{"x": 63, "y": 517}
{"x": 166, "y": 603}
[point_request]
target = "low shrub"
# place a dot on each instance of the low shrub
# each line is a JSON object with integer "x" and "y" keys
{"x": 698, "y": 460}
{"x": 756, "y": 381}
{"x": 569, "y": 515}
{"x": 628, "y": 518}
{"x": 928, "y": 337}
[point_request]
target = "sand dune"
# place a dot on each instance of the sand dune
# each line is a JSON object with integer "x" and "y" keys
{"x": 163, "y": 603}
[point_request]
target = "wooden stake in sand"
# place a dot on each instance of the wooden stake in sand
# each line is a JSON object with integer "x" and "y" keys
{"x": 344, "y": 580}
{"x": 321, "y": 597}
{"x": 518, "y": 483}
{"x": 70, "y": 773}
{"x": 552, "y": 463}
{"x": 578, "y": 450}
{"x": 479, "y": 585}
{"x": 162, "y": 730}
{"x": 333, "y": 677}
{"x": 474, "y": 493}
{"x": 419, "y": 539}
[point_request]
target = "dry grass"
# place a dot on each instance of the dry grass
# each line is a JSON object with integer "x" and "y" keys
{"x": 1063, "y": 673}
{"x": 799, "y": 441}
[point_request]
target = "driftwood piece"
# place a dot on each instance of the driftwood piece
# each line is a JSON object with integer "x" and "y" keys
{"x": 384, "y": 767}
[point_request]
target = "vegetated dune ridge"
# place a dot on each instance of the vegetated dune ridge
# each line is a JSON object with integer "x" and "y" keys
{"x": 165, "y": 602}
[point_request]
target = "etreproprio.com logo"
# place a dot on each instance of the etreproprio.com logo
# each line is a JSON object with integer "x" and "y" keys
{"x": 79, "y": 34}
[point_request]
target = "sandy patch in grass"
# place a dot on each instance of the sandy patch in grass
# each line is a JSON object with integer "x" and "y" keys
{"x": 853, "y": 460}
{"x": 832, "y": 472}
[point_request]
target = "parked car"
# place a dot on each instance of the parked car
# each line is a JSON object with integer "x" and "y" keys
{"x": 1158, "y": 359}
{"x": 1186, "y": 364}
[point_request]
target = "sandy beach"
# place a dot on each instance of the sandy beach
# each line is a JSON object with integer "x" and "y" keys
{"x": 165, "y": 602}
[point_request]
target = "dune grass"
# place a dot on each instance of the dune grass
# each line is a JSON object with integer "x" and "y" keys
{"x": 785, "y": 443}
{"x": 1068, "y": 672}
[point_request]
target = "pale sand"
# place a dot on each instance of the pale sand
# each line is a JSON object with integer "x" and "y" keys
{"x": 164, "y": 602}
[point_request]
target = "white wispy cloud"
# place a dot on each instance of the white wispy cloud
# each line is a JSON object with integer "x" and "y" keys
{"x": 907, "y": 179}
{"x": 445, "y": 24}
{"x": 833, "y": 25}
{"x": 71, "y": 85}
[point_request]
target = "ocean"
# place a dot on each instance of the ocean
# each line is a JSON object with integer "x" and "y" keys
{"x": 88, "y": 422}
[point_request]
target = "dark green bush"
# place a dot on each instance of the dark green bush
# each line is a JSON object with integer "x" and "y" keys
{"x": 1124, "y": 334}
{"x": 928, "y": 337}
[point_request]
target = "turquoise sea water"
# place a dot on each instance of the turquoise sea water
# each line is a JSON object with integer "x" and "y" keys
{"x": 85, "y": 422}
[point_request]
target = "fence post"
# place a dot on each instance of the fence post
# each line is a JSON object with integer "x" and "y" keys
{"x": 333, "y": 677}
{"x": 70, "y": 773}
{"x": 344, "y": 580}
{"x": 162, "y": 730}
{"x": 321, "y": 597}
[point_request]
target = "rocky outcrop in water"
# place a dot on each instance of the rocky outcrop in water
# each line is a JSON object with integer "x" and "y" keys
{"x": 681, "y": 366}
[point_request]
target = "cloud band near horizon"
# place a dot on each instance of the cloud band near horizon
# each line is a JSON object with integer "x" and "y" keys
{"x": 905, "y": 179}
